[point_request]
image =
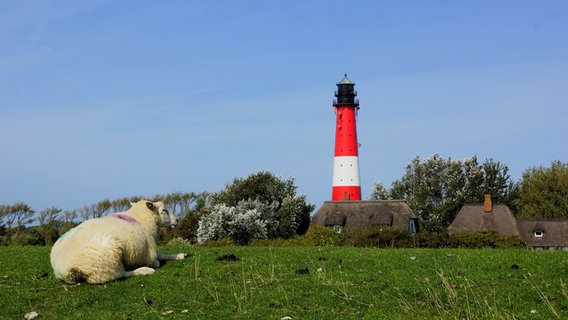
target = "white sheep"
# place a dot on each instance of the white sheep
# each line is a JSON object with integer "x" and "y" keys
{"x": 117, "y": 246}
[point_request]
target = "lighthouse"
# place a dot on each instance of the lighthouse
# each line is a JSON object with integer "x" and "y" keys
{"x": 346, "y": 209}
{"x": 340, "y": 213}
{"x": 346, "y": 185}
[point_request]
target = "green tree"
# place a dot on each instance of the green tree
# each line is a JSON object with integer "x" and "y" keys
{"x": 544, "y": 192}
{"x": 19, "y": 215}
{"x": 4, "y": 210}
{"x": 179, "y": 203}
{"x": 86, "y": 212}
{"x": 437, "y": 188}
{"x": 189, "y": 221}
{"x": 290, "y": 214}
{"x": 120, "y": 204}
{"x": 102, "y": 208}
{"x": 69, "y": 216}
{"x": 48, "y": 216}
{"x": 49, "y": 220}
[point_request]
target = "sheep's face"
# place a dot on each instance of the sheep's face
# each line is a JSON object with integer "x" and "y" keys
{"x": 165, "y": 217}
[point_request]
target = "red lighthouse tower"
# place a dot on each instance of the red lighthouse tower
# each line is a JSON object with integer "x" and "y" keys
{"x": 346, "y": 185}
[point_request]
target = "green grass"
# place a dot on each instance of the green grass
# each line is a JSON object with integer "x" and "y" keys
{"x": 272, "y": 283}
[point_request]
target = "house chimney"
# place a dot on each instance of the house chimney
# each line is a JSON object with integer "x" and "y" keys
{"x": 487, "y": 205}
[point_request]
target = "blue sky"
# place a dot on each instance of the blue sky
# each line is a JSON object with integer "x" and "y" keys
{"x": 107, "y": 99}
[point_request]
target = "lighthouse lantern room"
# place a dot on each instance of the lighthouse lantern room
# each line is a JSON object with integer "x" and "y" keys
{"x": 346, "y": 185}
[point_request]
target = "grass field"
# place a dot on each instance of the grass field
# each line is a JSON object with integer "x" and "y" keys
{"x": 301, "y": 283}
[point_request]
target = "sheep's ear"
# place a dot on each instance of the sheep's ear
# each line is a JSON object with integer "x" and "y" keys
{"x": 150, "y": 206}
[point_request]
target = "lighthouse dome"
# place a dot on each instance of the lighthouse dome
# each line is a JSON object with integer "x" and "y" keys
{"x": 346, "y": 80}
{"x": 346, "y": 92}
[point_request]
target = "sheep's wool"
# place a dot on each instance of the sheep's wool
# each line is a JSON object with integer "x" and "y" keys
{"x": 116, "y": 246}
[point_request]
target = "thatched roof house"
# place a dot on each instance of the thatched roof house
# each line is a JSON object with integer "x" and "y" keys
{"x": 473, "y": 218}
{"x": 544, "y": 233}
{"x": 346, "y": 214}
{"x": 536, "y": 233}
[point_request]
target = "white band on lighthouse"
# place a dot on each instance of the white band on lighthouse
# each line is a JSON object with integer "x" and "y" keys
{"x": 346, "y": 171}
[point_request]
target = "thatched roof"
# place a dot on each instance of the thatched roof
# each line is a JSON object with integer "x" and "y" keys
{"x": 473, "y": 218}
{"x": 392, "y": 213}
{"x": 554, "y": 232}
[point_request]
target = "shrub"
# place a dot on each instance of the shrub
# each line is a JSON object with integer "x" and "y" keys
{"x": 50, "y": 235}
{"x": 375, "y": 236}
{"x": 431, "y": 239}
{"x": 187, "y": 228}
{"x": 395, "y": 238}
{"x": 484, "y": 239}
{"x": 246, "y": 226}
{"x": 285, "y": 213}
{"x": 322, "y": 236}
{"x": 166, "y": 234}
{"x": 363, "y": 237}
{"x": 512, "y": 242}
{"x": 242, "y": 223}
{"x": 215, "y": 226}
{"x": 179, "y": 242}
{"x": 31, "y": 237}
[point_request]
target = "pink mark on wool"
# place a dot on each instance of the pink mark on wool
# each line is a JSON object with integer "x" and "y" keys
{"x": 124, "y": 217}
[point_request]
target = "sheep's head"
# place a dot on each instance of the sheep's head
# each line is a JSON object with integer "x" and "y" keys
{"x": 165, "y": 217}
{"x": 161, "y": 215}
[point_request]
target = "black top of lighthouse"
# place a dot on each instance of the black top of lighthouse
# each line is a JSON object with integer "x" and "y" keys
{"x": 346, "y": 92}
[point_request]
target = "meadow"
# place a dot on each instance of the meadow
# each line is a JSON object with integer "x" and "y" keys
{"x": 301, "y": 283}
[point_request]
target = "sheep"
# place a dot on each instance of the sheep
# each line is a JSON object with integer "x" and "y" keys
{"x": 120, "y": 245}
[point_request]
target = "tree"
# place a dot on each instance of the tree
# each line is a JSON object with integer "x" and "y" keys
{"x": 86, "y": 212}
{"x": 380, "y": 191}
{"x": 101, "y": 208}
{"x": 69, "y": 216}
{"x": 497, "y": 182}
{"x": 48, "y": 215}
{"x": 437, "y": 188}
{"x": 189, "y": 221}
{"x": 292, "y": 218}
{"x": 284, "y": 213}
{"x": 120, "y": 204}
{"x": 262, "y": 186}
{"x": 49, "y": 222}
{"x": 4, "y": 210}
{"x": 178, "y": 202}
{"x": 17, "y": 215}
{"x": 544, "y": 192}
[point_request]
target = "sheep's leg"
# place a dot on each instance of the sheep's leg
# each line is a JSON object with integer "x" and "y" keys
{"x": 142, "y": 271}
{"x": 177, "y": 256}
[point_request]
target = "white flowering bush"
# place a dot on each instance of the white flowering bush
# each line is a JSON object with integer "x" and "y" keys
{"x": 242, "y": 223}
{"x": 247, "y": 225}
{"x": 285, "y": 213}
{"x": 215, "y": 225}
